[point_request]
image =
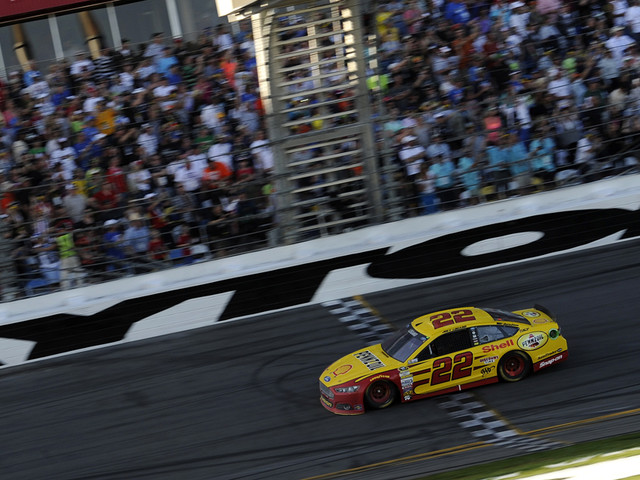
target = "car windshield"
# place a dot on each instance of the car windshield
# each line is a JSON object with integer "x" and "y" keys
{"x": 403, "y": 343}
{"x": 502, "y": 316}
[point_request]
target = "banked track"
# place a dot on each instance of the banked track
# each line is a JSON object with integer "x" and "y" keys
{"x": 239, "y": 400}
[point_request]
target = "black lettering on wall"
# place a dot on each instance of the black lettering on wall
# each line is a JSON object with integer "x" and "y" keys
{"x": 561, "y": 231}
{"x": 257, "y": 293}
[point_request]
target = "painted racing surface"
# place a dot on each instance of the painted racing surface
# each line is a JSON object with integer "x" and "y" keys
{"x": 239, "y": 400}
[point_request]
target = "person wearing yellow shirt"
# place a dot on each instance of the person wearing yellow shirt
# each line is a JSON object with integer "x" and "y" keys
{"x": 105, "y": 118}
{"x": 71, "y": 273}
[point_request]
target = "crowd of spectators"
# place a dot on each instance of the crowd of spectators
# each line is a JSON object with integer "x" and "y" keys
{"x": 139, "y": 158}
{"x": 489, "y": 100}
{"x": 153, "y": 155}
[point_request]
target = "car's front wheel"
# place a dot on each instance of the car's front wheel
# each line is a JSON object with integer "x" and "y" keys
{"x": 514, "y": 366}
{"x": 380, "y": 394}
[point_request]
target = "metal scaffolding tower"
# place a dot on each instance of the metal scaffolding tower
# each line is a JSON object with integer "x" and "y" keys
{"x": 313, "y": 86}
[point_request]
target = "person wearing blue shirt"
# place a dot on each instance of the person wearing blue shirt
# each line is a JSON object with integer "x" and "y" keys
{"x": 456, "y": 94}
{"x": 470, "y": 176}
{"x": 90, "y": 129}
{"x": 542, "y": 151}
{"x": 30, "y": 75}
{"x": 519, "y": 165}
{"x": 174, "y": 76}
{"x": 60, "y": 95}
{"x": 498, "y": 167}
{"x": 165, "y": 62}
{"x": 113, "y": 243}
{"x": 456, "y": 12}
{"x": 442, "y": 171}
{"x": 137, "y": 238}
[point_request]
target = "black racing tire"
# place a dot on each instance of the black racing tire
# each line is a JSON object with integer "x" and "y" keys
{"x": 380, "y": 394}
{"x": 514, "y": 366}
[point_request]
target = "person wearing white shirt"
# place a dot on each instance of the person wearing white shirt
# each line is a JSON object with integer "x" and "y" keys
{"x": 80, "y": 65}
{"x": 412, "y": 155}
{"x": 438, "y": 148}
{"x": 618, "y": 43}
{"x": 221, "y": 152}
{"x": 618, "y": 7}
{"x": 262, "y": 153}
{"x": 164, "y": 89}
{"x": 147, "y": 140}
{"x": 586, "y": 153}
{"x": 632, "y": 19}
{"x": 212, "y": 115}
{"x": 198, "y": 159}
{"x": 126, "y": 78}
{"x": 189, "y": 176}
{"x": 65, "y": 156}
{"x": 519, "y": 18}
{"x": 39, "y": 89}
{"x": 155, "y": 48}
{"x": 559, "y": 86}
{"x": 90, "y": 104}
{"x": 139, "y": 179}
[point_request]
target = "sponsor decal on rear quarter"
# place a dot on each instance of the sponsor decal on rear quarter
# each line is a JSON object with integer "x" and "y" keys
{"x": 551, "y": 361}
{"x": 532, "y": 340}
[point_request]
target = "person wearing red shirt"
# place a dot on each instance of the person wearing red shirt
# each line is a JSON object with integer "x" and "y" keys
{"x": 105, "y": 201}
{"x": 116, "y": 176}
{"x": 184, "y": 240}
{"x": 157, "y": 247}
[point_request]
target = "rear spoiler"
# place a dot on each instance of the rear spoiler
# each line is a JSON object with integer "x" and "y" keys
{"x": 545, "y": 310}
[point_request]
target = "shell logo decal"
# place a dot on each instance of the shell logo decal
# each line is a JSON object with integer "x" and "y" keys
{"x": 532, "y": 340}
{"x": 341, "y": 370}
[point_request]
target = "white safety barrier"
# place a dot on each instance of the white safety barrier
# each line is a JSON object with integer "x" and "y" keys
{"x": 363, "y": 261}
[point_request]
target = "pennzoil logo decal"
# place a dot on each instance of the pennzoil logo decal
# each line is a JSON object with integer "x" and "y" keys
{"x": 369, "y": 360}
{"x": 532, "y": 340}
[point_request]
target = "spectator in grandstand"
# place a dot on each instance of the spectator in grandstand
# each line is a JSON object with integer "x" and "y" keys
{"x": 425, "y": 185}
{"x": 518, "y": 159}
{"x": 75, "y": 203}
{"x": 136, "y": 238}
{"x": 542, "y": 153}
{"x": 263, "y": 160}
{"x": 71, "y": 273}
{"x": 442, "y": 170}
{"x": 46, "y": 253}
{"x": 469, "y": 173}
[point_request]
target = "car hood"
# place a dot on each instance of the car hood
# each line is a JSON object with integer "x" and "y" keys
{"x": 358, "y": 365}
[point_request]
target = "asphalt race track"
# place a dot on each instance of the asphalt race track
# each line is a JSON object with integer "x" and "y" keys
{"x": 240, "y": 400}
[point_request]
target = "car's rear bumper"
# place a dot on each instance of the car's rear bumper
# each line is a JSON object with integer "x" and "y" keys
{"x": 551, "y": 360}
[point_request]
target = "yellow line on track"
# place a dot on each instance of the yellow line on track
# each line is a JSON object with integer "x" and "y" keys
{"x": 410, "y": 459}
{"x": 564, "y": 426}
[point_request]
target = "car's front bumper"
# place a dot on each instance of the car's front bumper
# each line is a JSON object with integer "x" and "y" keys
{"x": 341, "y": 403}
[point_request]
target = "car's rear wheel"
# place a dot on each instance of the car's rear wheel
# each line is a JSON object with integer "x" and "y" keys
{"x": 380, "y": 394}
{"x": 514, "y": 366}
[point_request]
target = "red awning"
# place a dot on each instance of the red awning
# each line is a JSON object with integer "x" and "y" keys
{"x": 16, "y": 9}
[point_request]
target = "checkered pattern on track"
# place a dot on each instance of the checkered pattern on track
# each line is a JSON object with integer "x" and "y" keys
{"x": 485, "y": 425}
{"x": 358, "y": 319}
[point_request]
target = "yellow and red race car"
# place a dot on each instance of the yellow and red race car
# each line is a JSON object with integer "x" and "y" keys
{"x": 444, "y": 352}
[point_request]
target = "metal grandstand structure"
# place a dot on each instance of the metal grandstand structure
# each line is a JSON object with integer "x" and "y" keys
{"x": 313, "y": 86}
